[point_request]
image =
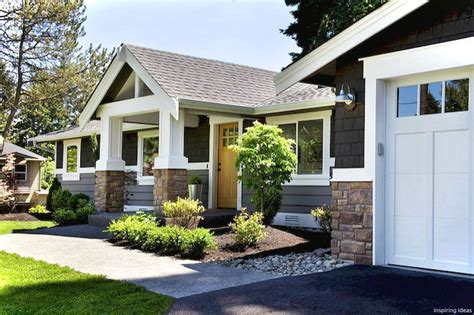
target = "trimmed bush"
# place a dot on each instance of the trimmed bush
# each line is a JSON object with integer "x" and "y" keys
{"x": 38, "y": 209}
{"x": 248, "y": 228}
{"x": 182, "y": 211}
{"x": 60, "y": 199}
{"x": 56, "y": 185}
{"x": 63, "y": 216}
{"x": 78, "y": 200}
{"x": 165, "y": 240}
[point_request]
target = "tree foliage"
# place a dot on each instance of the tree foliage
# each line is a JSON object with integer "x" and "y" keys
{"x": 8, "y": 198}
{"x": 317, "y": 21}
{"x": 46, "y": 74}
{"x": 267, "y": 161}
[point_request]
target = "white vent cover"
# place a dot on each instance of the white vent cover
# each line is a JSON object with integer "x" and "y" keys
{"x": 292, "y": 220}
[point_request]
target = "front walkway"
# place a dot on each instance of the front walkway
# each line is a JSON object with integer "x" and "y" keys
{"x": 83, "y": 248}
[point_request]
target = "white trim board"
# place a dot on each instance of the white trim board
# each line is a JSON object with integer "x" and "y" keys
{"x": 352, "y": 36}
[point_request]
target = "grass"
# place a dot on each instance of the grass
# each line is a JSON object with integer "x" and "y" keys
{"x": 8, "y": 226}
{"x": 28, "y": 286}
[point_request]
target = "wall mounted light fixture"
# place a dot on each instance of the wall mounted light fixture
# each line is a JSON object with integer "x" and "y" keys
{"x": 347, "y": 96}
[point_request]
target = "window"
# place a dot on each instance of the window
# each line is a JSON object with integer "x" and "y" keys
{"x": 71, "y": 159}
{"x": 20, "y": 172}
{"x": 230, "y": 136}
{"x": 309, "y": 144}
{"x": 150, "y": 152}
{"x": 433, "y": 98}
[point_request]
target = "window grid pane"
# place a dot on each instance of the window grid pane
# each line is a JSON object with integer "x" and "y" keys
{"x": 71, "y": 157}
{"x": 407, "y": 103}
{"x": 310, "y": 147}
{"x": 457, "y": 95}
{"x": 431, "y": 98}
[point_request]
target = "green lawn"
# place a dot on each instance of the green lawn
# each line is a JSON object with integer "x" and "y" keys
{"x": 8, "y": 226}
{"x": 28, "y": 286}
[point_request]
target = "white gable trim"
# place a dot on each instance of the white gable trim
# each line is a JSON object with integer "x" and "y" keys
{"x": 360, "y": 31}
{"x": 125, "y": 56}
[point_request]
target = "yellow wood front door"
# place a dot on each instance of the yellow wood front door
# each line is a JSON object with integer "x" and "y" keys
{"x": 227, "y": 173}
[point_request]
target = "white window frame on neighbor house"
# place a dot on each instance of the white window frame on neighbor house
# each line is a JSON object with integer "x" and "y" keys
{"x": 322, "y": 179}
{"x": 71, "y": 176}
{"x": 144, "y": 180}
{"x": 25, "y": 172}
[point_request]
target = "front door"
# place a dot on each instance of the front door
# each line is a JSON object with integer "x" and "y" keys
{"x": 227, "y": 172}
{"x": 429, "y": 212}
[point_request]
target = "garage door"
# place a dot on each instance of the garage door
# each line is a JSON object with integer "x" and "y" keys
{"x": 429, "y": 186}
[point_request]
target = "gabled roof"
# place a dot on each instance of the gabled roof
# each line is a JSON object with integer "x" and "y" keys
{"x": 352, "y": 36}
{"x": 10, "y": 148}
{"x": 201, "y": 79}
{"x": 194, "y": 81}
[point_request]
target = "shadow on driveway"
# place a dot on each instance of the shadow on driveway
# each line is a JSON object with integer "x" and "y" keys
{"x": 79, "y": 231}
{"x": 355, "y": 289}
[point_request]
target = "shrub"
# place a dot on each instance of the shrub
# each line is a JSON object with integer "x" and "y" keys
{"x": 63, "y": 216}
{"x": 60, "y": 199}
{"x": 38, "y": 209}
{"x": 77, "y": 200}
{"x": 323, "y": 215}
{"x": 195, "y": 180}
{"x": 248, "y": 228}
{"x": 166, "y": 240}
{"x": 47, "y": 173}
{"x": 55, "y": 185}
{"x": 182, "y": 211}
{"x": 267, "y": 161}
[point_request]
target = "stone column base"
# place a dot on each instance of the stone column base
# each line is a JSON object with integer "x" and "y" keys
{"x": 351, "y": 209}
{"x": 109, "y": 186}
{"x": 169, "y": 185}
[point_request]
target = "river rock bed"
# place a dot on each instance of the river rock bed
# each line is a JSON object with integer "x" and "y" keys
{"x": 293, "y": 264}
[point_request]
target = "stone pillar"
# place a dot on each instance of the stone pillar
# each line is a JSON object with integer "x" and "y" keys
{"x": 351, "y": 237}
{"x": 109, "y": 186}
{"x": 169, "y": 185}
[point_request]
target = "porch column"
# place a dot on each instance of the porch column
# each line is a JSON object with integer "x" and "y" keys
{"x": 170, "y": 168}
{"x": 109, "y": 182}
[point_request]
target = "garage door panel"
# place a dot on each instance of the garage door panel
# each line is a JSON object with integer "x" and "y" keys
{"x": 450, "y": 240}
{"x": 410, "y": 153}
{"x": 450, "y": 196}
{"x": 451, "y": 151}
{"x": 410, "y": 240}
{"x": 410, "y": 195}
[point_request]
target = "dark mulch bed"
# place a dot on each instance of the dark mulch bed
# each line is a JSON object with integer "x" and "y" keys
{"x": 277, "y": 241}
{"x": 17, "y": 217}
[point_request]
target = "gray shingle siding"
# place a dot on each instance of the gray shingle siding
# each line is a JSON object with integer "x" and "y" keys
{"x": 196, "y": 141}
{"x": 129, "y": 148}
{"x": 85, "y": 185}
{"x": 59, "y": 154}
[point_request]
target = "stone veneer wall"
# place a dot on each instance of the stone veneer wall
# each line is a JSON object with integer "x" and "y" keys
{"x": 169, "y": 185}
{"x": 108, "y": 196}
{"x": 351, "y": 237}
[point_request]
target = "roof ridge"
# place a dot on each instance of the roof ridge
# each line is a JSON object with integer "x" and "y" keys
{"x": 199, "y": 58}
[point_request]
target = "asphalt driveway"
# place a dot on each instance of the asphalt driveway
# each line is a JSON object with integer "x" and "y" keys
{"x": 355, "y": 289}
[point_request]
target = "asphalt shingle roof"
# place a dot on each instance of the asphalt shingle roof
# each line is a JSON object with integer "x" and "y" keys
{"x": 300, "y": 92}
{"x": 9, "y": 148}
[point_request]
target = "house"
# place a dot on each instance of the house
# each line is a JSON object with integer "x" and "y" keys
{"x": 27, "y": 173}
{"x": 403, "y": 176}
{"x": 157, "y": 118}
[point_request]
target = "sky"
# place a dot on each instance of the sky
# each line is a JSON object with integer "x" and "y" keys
{"x": 238, "y": 31}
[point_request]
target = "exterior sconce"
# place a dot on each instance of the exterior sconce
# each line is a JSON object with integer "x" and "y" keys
{"x": 347, "y": 97}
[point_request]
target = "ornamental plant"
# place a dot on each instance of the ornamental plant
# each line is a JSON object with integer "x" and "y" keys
{"x": 8, "y": 198}
{"x": 183, "y": 211}
{"x": 267, "y": 161}
{"x": 248, "y": 228}
{"x": 323, "y": 215}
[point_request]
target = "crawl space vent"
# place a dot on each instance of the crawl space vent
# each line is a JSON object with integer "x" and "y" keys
{"x": 292, "y": 220}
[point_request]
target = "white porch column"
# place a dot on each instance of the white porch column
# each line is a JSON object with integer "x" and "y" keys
{"x": 170, "y": 169}
{"x": 171, "y": 150}
{"x": 111, "y": 145}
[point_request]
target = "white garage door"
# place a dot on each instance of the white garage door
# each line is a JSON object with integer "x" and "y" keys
{"x": 429, "y": 185}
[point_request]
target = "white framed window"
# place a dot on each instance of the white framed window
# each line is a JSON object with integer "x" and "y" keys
{"x": 312, "y": 134}
{"x": 148, "y": 145}
{"x": 71, "y": 159}
{"x": 21, "y": 172}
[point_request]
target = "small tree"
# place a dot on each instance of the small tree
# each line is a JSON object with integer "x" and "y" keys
{"x": 56, "y": 185}
{"x": 267, "y": 161}
{"x": 8, "y": 184}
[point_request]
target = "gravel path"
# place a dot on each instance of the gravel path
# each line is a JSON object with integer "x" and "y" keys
{"x": 84, "y": 249}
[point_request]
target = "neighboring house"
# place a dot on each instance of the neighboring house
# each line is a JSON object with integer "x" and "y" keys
{"x": 161, "y": 117}
{"x": 27, "y": 173}
{"x": 404, "y": 157}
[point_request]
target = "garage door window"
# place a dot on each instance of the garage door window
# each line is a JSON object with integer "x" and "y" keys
{"x": 433, "y": 98}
